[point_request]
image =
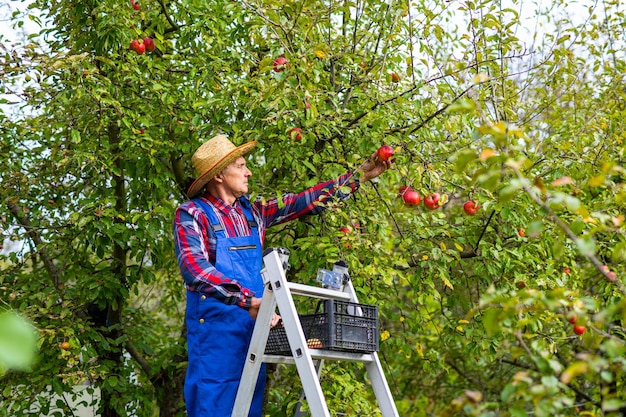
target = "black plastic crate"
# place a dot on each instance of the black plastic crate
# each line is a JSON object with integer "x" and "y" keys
{"x": 342, "y": 326}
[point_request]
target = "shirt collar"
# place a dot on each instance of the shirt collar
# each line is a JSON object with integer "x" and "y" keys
{"x": 226, "y": 208}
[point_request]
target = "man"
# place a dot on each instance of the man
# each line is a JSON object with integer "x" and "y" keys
{"x": 218, "y": 238}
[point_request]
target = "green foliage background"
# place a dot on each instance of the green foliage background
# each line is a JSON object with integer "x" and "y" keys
{"x": 523, "y": 113}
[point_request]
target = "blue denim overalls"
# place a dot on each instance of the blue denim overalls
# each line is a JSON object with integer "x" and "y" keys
{"x": 218, "y": 334}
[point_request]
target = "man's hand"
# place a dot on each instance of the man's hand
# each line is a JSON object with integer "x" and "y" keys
{"x": 373, "y": 167}
{"x": 254, "y": 311}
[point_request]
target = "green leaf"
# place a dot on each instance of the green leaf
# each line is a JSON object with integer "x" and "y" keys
{"x": 492, "y": 320}
{"x": 619, "y": 252}
{"x": 18, "y": 342}
{"x": 613, "y": 404}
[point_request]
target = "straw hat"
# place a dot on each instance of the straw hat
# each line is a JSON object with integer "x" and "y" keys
{"x": 212, "y": 157}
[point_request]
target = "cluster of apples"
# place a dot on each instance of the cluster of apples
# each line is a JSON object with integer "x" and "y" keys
{"x": 140, "y": 46}
{"x": 412, "y": 198}
{"x": 407, "y": 193}
{"x": 609, "y": 275}
{"x": 579, "y": 329}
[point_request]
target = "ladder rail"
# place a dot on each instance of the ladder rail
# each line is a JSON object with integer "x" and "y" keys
{"x": 297, "y": 341}
{"x": 252, "y": 367}
{"x": 375, "y": 371}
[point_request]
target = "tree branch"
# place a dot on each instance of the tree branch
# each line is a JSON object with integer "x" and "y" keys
{"x": 138, "y": 357}
{"x": 32, "y": 234}
{"x": 174, "y": 26}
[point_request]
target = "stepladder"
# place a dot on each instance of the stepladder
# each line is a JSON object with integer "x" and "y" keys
{"x": 347, "y": 334}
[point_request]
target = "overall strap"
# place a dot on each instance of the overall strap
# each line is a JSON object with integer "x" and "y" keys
{"x": 214, "y": 222}
{"x": 247, "y": 210}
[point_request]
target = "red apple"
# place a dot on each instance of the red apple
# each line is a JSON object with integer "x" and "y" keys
{"x": 471, "y": 207}
{"x": 567, "y": 271}
{"x": 134, "y": 45}
{"x": 578, "y": 329}
{"x": 149, "y": 43}
{"x": 135, "y": 5}
{"x": 521, "y": 232}
{"x": 345, "y": 230}
{"x": 572, "y": 318}
{"x": 280, "y": 64}
{"x": 295, "y": 133}
{"x": 432, "y": 201}
{"x": 141, "y": 48}
{"x": 395, "y": 77}
{"x": 385, "y": 152}
{"x": 411, "y": 198}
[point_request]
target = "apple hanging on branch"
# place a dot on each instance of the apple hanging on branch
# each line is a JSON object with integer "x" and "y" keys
{"x": 431, "y": 202}
{"x": 409, "y": 196}
{"x": 295, "y": 133}
{"x": 149, "y": 44}
{"x": 471, "y": 207}
{"x": 280, "y": 64}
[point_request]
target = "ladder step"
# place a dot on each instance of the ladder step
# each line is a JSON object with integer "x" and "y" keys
{"x": 323, "y": 354}
{"x": 317, "y": 292}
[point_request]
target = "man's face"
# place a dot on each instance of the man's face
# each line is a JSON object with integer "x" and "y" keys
{"x": 235, "y": 177}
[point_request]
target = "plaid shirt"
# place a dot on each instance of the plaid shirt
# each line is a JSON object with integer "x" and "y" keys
{"x": 195, "y": 241}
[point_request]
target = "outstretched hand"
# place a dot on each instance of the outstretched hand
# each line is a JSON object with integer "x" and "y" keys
{"x": 373, "y": 167}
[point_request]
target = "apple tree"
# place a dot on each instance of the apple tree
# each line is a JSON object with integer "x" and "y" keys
{"x": 512, "y": 308}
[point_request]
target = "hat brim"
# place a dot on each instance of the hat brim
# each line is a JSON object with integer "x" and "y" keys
{"x": 226, "y": 160}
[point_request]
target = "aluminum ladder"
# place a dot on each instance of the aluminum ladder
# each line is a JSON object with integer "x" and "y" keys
{"x": 279, "y": 293}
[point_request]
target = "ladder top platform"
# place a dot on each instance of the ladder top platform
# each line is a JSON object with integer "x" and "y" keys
{"x": 317, "y": 292}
